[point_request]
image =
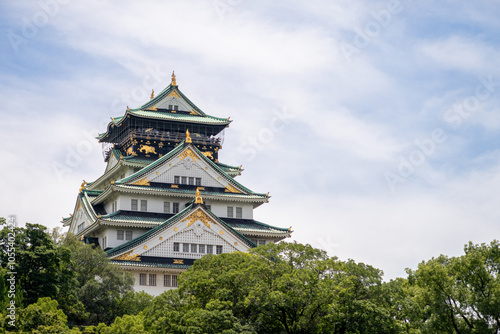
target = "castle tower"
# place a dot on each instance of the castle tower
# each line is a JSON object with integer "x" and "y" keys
{"x": 164, "y": 199}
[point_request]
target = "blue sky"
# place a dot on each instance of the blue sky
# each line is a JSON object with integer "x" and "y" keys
{"x": 373, "y": 124}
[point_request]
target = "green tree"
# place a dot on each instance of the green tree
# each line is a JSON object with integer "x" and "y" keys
{"x": 173, "y": 313}
{"x": 277, "y": 288}
{"x": 38, "y": 262}
{"x": 459, "y": 294}
{"x": 133, "y": 302}
{"x": 122, "y": 325}
{"x": 99, "y": 285}
{"x": 43, "y": 317}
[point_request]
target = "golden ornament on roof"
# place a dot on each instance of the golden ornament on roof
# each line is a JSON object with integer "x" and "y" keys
{"x": 174, "y": 83}
{"x": 198, "y": 199}
{"x": 188, "y": 137}
{"x": 152, "y": 94}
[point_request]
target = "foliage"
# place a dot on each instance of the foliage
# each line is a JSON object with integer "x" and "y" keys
{"x": 278, "y": 288}
{"x": 459, "y": 294}
{"x": 173, "y": 313}
{"x": 43, "y": 317}
{"x": 87, "y": 287}
{"x": 38, "y": 262}
{"x": 133, "y": 302}
{"x": 100, "y": 286}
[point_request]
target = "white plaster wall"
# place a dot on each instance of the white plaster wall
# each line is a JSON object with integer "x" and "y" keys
{"x": 112, "y": 234}
{"x": 155, "y": 203}
{"x": 152, "y": 290}
{"x": 79, "y": 218}
{"x": 187, "y": 168}
{"x": 206, "y": 236}
{"x": 220, "y": 208}
{"x": 111, "y": 162}
{"x": 108, "y": 207}
{"x": 183, "y": 105}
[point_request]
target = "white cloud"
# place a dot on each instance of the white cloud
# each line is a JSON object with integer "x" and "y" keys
{"x": 351, "y": 120}
{"x": 462, "y": 53}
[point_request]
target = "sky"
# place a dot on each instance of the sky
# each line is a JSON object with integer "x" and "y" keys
{"x": 373, "y": 124}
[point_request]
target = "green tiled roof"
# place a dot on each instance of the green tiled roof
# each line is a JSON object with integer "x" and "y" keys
{"x": 252, "y": 225}
{"x": 166, "y": 224}
{"x": 189, "y": 191}
{"x": 139, "y": 159}
{"x": 150, "y": 265}
{"x": 142, "y": 111}
{"x": 172, "y": 153}
{"x": 92, "y": 193}
{"x": 144, "y": 236}
{"x": 153, "y": 164}
{"x": 165, "y": 92}
{"x": 180, "y": 117}
{"x": 140, "y": 217}
{"x": 229, "y": 169}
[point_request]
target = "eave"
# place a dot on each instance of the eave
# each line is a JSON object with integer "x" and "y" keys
{"x": 182, "y": 193}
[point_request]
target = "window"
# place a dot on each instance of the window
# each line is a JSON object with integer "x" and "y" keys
{"x": 229, "y": 212}
{"x": 201, "y": 249}
{"x": 219, "y": 250}
{"x": 166, "y": 207}
{"x": 176, "y": 247}
{"x": 239, "y": 212}
{"x": 142, "y": 279}
{"x": 258, "y": 242}
{"x": 152, "y": 279}
{"x": 104, "y": 242}
{"x": 184, "y": 180}
{"x": 175, "y": 207}
{"x": 114, "y": 206}
{"x": 133, "y": 205}
{"x": 128, "y": 235}
{"x": 144, "y": 205}
{"x": 194, "y": 248}
{"x": 176, "y": 107}
{"x": 198, "y": 181}
{"x": 174, "y": 280}
{"x": 167, "y": 280}
{"x": 176, "y": 179}
{"x": 170, "y": 106}
{"x": 210, "y": 249}
{"x": 191, "y": 181}
{"x": 185, "y": 248}
{"x": 119, "y": 234}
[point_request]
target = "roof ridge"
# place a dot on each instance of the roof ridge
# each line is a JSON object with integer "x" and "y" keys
{"x": 182, "y": 214}
{"x": 170, "y": 154}
{"x": 145, "y": 235}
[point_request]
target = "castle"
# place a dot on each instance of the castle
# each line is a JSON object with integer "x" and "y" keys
{"x": 164, "y": 199}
